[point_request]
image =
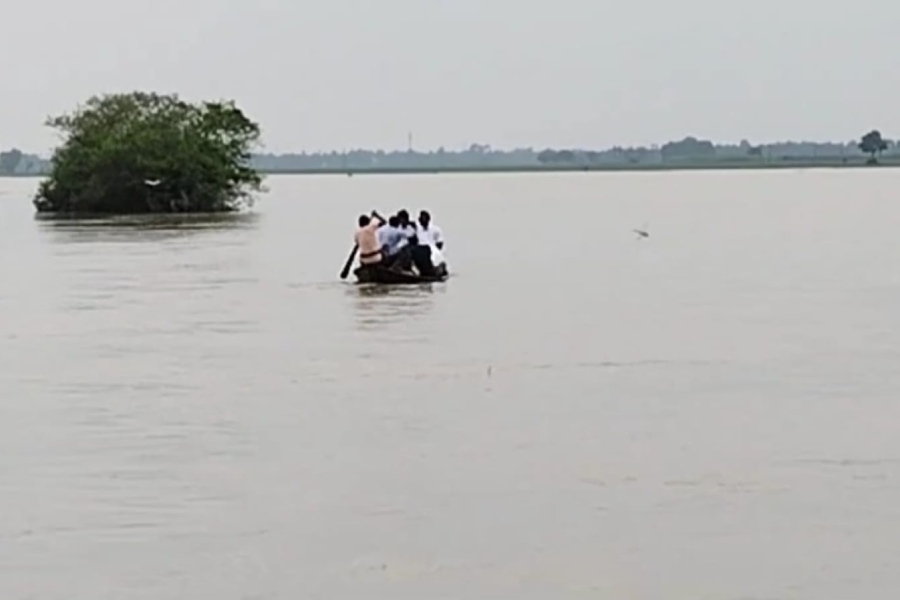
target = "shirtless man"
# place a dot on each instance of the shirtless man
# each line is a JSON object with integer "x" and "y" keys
{"x": 366, "y": 237}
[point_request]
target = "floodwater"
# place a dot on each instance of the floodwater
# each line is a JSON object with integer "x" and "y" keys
{"x": 206, "y": 411}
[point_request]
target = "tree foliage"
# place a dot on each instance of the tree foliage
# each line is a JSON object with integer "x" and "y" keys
{"x": 150, "y": 153}
{"x": 688, "y": 148}
{"x": 872, "y": 143}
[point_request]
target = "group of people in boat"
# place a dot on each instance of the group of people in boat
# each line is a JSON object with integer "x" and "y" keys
{"x": 399, "y": 243}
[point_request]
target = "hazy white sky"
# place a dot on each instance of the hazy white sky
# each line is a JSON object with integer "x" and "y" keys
{"x": 335, "y": 74}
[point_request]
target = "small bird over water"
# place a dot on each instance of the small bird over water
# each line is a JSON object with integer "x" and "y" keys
{"x": 643, "y": 232}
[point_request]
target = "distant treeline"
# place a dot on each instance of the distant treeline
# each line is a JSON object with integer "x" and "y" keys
{"x": 689, "y": 151}
{"x": 16, "y": 162}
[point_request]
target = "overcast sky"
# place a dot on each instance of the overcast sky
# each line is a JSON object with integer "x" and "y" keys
{"x": 336, "y": 74}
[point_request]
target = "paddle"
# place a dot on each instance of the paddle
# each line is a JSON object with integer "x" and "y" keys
{"x": 346, "y": 270}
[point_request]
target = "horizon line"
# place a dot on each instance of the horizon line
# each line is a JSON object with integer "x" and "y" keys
{"x": 532, "y": 148}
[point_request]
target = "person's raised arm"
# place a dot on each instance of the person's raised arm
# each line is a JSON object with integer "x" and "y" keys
{"x": 379, "y": 218}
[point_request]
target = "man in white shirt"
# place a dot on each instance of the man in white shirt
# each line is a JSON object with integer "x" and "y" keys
{"x": 428, "y": 255}
{"x": 394, "y": 244}
{"x": 428, "y": 233}
{"x": 390, "y": 237}
{"x": 406, "y": 227}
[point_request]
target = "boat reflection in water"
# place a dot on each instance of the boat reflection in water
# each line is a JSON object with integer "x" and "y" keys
{"x": 379, "y": 305}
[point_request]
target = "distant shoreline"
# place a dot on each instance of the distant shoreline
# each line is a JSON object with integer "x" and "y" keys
{"x": 620, "y": 168}
{"x": 725, "y": 165}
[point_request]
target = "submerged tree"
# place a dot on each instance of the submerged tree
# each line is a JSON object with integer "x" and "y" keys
{"x": 150, "y": 153}
{"x": 872, "y": 143}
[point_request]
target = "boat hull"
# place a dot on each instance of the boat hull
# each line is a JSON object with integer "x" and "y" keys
{"x": 386, "y": 276}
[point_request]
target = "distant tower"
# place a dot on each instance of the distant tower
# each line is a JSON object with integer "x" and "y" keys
{"x": 409, "y": 141}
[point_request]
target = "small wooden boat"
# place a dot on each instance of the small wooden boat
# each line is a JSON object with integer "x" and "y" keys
{"x": 387, "y": 276}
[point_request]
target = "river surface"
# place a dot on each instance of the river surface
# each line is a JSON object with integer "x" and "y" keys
{"x": 206, "y": 412}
